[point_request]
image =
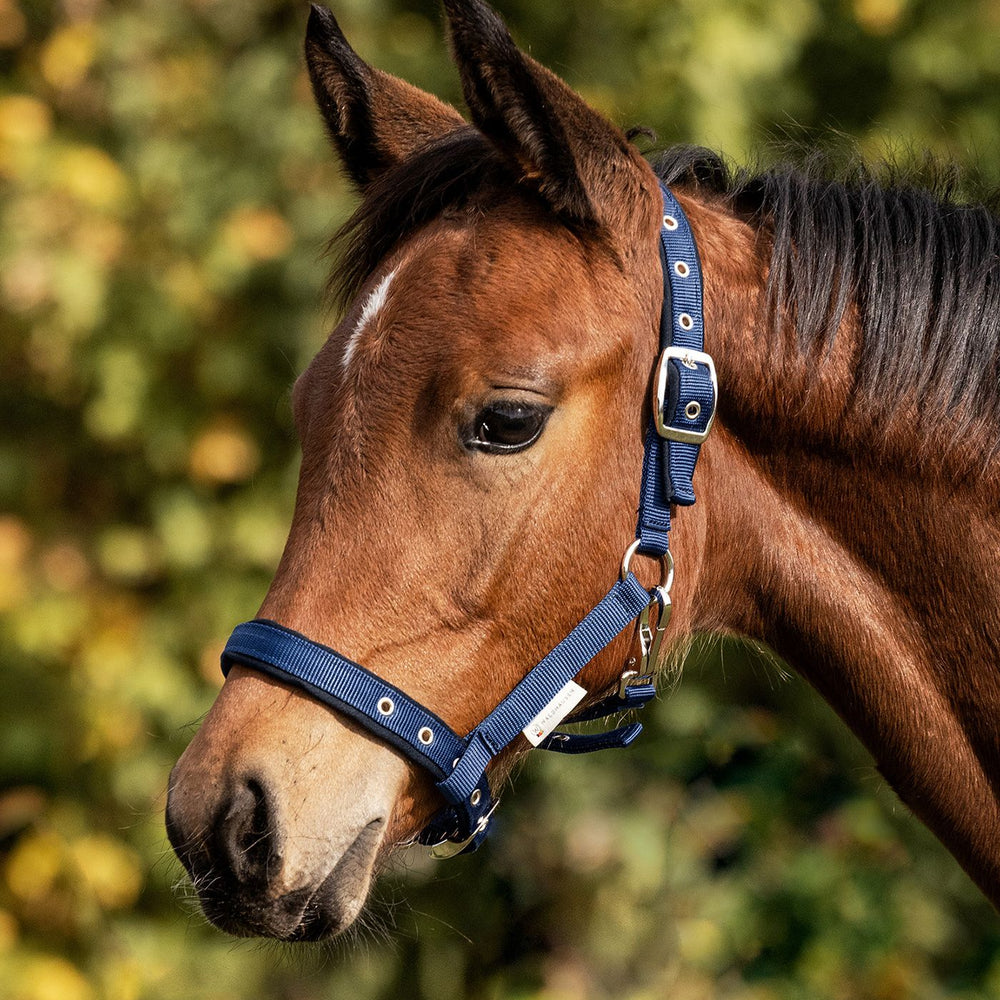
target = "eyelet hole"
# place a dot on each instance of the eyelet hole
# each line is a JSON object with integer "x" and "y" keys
{"x": 669, "y": 222}
{"x": 426, "y": 736}
{"x": 693, "y": 410}
{"x": 386, "y": 706}
{"x": 681, "y": 269}
{"x": 476, "y": 797}
{"x": 685, "y": 321}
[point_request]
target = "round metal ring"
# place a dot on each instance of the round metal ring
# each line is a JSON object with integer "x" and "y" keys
{"x": 476, "y": 797}
{"x": 386, "y": 706}
{"x": 685, "y": 321}
{"x": 666, "y": 565}
{"x": 681, "y": 269}
{"x": 669, "y": 222}
{"x": 693, "y": 410}
{"x": 426, "y": 736}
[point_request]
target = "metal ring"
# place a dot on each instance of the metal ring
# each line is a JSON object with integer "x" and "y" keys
{"x": 681, "y": 269}
{"x": 666, "y": 565}
{"x": 685, "y": 321}
{"x": 386, "y": 706}
{"x": 669, "y": 222}
{"x": 476, "y": 797}
{"x": 426, "y": 736}
{"x": 693, "y": 410}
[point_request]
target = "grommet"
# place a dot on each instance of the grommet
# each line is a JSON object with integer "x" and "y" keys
{"x": 669, "y": 222}
{"x": 685, "y": 321}
{"x": 426, "y": 736}
{"x": 386, "y": 706}
{"x": 681, "y": 269}
{"x": 693, "y": 410}
{"x": 476, "y": 797}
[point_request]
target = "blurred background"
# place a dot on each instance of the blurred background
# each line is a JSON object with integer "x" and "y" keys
{"x": 166, "y": 194}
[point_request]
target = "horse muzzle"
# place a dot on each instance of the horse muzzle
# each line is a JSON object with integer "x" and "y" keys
{"x": 278, "y": 811}
{"x": 248, "y": 879}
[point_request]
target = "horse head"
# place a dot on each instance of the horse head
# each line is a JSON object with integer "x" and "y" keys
{"x": 472, "y": 434}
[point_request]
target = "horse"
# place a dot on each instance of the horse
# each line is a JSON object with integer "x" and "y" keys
{"x": 474, "y": 430}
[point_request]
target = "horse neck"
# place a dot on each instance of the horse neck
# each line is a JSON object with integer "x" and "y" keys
{"x": 863, "y": 551}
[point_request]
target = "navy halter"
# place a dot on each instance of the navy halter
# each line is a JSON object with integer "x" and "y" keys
{"x": 684, "y": 399}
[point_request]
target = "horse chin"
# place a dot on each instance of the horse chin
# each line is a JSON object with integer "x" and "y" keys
{"x": 320, "y": 910}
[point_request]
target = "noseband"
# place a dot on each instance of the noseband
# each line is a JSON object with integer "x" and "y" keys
{"x": 684, "y": 400}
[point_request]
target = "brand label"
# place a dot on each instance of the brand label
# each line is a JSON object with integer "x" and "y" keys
{"x": 567, "y": 698}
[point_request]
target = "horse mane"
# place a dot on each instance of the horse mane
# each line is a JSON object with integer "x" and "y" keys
{"x": 921, "y": 268}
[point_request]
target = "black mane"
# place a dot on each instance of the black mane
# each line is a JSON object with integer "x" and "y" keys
{"x": 922, "y": 269}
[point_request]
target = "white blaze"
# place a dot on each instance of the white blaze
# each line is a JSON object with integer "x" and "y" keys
{"x": 373, "y": 304}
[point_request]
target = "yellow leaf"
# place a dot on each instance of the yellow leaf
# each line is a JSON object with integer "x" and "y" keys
{"x": 34, "y": 866}
{"x": 24, "y": 120}
{"x": 49, "y": 977}
{"x": 258, "y": 233}
{"x": 879, "y": 17}
{"x": 68, "y": 55}
{"x": 224, "y": 454}
{"x": 91, "y": 176}
{"x": 110, "y": 869}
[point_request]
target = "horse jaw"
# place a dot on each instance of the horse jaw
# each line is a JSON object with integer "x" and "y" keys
{"x": 281, "y": 844}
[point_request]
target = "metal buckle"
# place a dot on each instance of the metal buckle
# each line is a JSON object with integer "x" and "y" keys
{"x": 650, "y": 640}
{"x": 666, "y": 565}
{"x": 632, "y": 678}
{"x": 650, "y": 636}
{"x": 445, "y": 849}
{"x": 690, "y": 358}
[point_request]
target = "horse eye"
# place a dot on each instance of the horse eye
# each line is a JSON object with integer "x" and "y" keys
{"x": 505, "y": 427}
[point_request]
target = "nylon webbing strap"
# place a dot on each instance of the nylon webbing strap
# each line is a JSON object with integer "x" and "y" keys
{"x": 459, "y": 763}
{"x": 684, "y": 384}
{"x": 620, "y": 606}
{"x": 347, "y": 686}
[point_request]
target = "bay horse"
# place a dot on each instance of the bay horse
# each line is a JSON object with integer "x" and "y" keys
{"x": 473, "y": 435}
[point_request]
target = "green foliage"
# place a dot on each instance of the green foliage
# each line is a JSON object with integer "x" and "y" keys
{"x": 166, "y": 194}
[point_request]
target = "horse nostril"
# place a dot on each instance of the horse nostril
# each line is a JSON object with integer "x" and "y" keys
{"x": 247, "y": 833}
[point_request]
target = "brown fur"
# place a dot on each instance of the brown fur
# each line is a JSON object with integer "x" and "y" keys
{"x": 428, "y": 562}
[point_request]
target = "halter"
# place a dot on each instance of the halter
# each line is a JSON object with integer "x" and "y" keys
{"x": 684, "y": 399}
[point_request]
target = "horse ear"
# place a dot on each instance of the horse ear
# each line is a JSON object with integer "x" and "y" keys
{"x": 579, "y": 161}
{"x": 374, "y": 119}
